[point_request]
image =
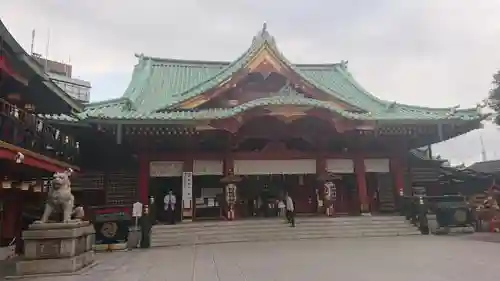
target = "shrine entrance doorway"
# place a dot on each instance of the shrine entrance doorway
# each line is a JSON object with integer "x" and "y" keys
{"x": 265, "y": 183}
{"x": 346, "y": 198}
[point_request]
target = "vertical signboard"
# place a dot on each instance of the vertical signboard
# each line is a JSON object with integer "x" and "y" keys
{"x": 187, "y": 194}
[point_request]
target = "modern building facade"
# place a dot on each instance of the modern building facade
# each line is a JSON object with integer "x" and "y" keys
{"x": 61, "y": 75}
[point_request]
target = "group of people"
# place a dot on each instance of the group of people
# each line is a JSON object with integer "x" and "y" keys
{"x": 285, "y": 206}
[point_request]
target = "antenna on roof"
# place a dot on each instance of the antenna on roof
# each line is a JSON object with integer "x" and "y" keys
{"x": 483, "y": 150}
{"x": 32, "y": 42}
{"x": 47, "y": 50}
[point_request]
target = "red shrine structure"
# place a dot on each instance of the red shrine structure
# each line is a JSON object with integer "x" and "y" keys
{"x": 182, "y": 125}
{"x": 30, "y": 149}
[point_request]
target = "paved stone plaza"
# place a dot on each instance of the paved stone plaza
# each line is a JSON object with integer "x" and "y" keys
{"x": 401, "y": 258}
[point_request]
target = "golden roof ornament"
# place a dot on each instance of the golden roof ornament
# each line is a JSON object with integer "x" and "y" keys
{"x": 344, "y": 64}
{"x": 263, "y": 36}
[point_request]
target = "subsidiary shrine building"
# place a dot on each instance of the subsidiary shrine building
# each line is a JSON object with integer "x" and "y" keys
{"x": 276, "y": 126}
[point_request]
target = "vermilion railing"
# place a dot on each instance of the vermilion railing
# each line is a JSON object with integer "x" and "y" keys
{"x": 30, "y": 132}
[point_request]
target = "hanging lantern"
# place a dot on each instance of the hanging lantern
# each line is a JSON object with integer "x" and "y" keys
{"x": 7, "y": 184}
{"x": 24, "y": 186}
{"x": 37, "y": 188}
{"x": 29, "y": 107}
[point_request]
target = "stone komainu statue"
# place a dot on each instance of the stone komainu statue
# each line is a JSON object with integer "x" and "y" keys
{"x": 59, "y": 198}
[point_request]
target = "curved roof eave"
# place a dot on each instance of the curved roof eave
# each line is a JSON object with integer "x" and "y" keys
{"x": 115, "y": 111}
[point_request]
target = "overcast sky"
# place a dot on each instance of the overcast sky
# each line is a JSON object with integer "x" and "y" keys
{"x": 423, "y": 52}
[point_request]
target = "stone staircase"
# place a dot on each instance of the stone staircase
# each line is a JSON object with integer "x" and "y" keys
{"x": 193, "y": 233}
{"x": 386, "y": 198}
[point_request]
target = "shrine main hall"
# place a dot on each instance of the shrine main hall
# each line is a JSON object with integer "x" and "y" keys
{"x": 184, "y": 125}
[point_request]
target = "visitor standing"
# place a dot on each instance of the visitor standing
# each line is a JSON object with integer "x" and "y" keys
{"x": 290, "y": 210}
{"x": 281, "y": 208}
{"x": 170, "y": 202}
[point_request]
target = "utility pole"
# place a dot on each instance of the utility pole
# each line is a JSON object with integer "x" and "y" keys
{"x": 47, "y": 50}
{"x": 32, "y": 42}
{"x": 483, "y": 150}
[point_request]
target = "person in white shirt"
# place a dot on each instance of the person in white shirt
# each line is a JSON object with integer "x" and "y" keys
{"x": 281, "y": 208}
{"x": 169, "y": 200}
{"x": 290, "y": 210}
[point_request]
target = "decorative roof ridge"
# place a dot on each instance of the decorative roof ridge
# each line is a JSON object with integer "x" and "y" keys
{"x": 325, "y": 66}
{"x": 180, "y": 61}
{"x": 106, "y": 103}
{"x": 456, "y": 107}
{"x": 265, "y": 101}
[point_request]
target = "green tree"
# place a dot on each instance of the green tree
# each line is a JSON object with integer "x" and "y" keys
{"x": 494, "y": 97}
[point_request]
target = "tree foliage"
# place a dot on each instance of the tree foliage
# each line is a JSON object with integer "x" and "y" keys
{"x": 494, "y": 97}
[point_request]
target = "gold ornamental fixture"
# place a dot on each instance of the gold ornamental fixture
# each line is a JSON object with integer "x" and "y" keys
{"x": 29, "y": 107}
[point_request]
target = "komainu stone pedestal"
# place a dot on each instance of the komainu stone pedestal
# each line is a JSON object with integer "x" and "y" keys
{"x": 57, "y": 248}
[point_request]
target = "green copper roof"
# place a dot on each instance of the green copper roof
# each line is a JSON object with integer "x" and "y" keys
{"x": 158, "y": 85}
{"x": 118, "y": 109}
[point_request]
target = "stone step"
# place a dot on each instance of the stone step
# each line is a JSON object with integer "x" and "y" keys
{"x": 277, "y": 229}
{"x": 170, "y": 229}
{"x": 284, "y": 236}
{"x": 282, "y": 233}
{"x": 273, "y": 222}
{"x": 160, "y": 236}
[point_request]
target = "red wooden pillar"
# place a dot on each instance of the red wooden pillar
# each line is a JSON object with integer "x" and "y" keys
{"x": 320, "y": 164}
{"x": 320, "y": 171}
{"x": 228, "y": 164}
{"x": 11, "y": 214}
{"x": 143, "y": 181}
{"x": 359, "y": 169}
{"x": 398, "y": 172}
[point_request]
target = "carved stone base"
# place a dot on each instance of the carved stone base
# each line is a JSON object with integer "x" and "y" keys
{"x": 57, "y": 248}
{"x": 47, "y": 266}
